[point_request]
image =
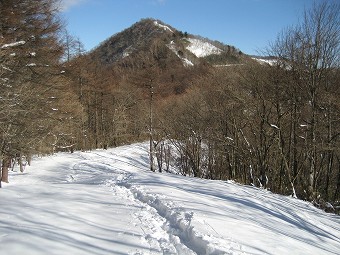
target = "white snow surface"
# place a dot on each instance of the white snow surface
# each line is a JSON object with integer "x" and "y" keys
{"x": 108, "y": 202}
{"x": 202, "y": 49}
{"x": 14, "y": 44}
{"x": 270, "y": 62}
{"x": 156, "y": 23}
{"x": 186, "y": 62}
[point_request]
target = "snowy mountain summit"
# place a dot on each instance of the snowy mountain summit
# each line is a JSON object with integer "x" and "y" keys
{"x": 109, "y": 202}
{"x": 149, "y": 35}
{"x": 157, "y": 23}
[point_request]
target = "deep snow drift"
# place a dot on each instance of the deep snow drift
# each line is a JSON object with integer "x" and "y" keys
{"x": 108, "y": 202}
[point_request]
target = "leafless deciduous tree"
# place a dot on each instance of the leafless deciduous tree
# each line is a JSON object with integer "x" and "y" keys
{"x": 310, "y": 51}
{"x": 31, "y": 79}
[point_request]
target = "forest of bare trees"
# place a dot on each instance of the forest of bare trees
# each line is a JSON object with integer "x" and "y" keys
{"x": 33, "y": 87}
{"x": 272, "y": 126}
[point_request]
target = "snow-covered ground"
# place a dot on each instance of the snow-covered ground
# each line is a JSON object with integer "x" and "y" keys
{"x": 202, "y": 49}
{"x": 156, "y": 23}
{"x": 186, "y": 62}
{"x": 270, "y": 62}
{"x": 108, "y": 202}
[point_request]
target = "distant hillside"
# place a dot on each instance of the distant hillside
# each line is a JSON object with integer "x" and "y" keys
{"x": 143, "y": 35}
{"x": 116, "y": 80}
{"x": 230, "y": 116}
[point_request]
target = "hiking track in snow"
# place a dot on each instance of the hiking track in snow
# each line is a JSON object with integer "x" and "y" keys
{"x": 167, "y": 227}
{"x": 105, "y": 202}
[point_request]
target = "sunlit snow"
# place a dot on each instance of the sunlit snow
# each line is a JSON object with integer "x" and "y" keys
{"x": 202, "y": 49}
{"x": 109, "y": 202}
{"x": 162, "y": 26}
{"x": 186, "y": 62}
{"x": 9, "y": 45}
{"x": 270, "y": 62}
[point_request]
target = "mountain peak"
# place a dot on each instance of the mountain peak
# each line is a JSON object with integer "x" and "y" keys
{"x": 186, "y": 48}
{"x": 136, "y": 38}
{"x": 159, "y": 24}
{"x": 156, "y": 22}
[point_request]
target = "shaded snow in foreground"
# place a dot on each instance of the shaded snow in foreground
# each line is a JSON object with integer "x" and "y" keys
{"x": 107, "y": 202}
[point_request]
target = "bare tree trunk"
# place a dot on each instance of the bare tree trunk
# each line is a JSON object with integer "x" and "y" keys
{"x": 6, "y": 163}
{"x": 151, "y": 129}
{"x": 159, "y": 155}
{"x": 167, "y": 156}
{"x": 21, "y": 164}
{"x": 286, "y": 165}
{"x": 312, "y": 156}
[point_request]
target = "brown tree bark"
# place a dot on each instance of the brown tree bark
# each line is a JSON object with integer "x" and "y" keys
{"x": 6, "y": 163}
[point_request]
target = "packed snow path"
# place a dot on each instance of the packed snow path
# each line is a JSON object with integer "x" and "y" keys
{"x": 108, "y": 202}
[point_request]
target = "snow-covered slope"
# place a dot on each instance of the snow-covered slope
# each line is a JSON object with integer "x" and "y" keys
{"x": 270, "y": 62}
{"x": 158, "y": 24}
{"x": 108, "y": 202}
{"x": 201, "y": 48}
{"x": 185, "y": 61}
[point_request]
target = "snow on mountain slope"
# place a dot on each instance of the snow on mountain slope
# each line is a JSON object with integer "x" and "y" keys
{"x": 270, "y": 62}
{"x": 162, "y": 26}
{"x": 108, "y": 202}
{"x": 185, "y": 61}
{"x": 202, "y": 49}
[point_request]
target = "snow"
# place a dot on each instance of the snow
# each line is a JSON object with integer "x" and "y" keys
{"x": 108, "y": 202}
{"x": 186, "y": 62}
{"x": 202, "y": 49}
{"x": 9, "y": 45}
{"x": 7, "y": 69}
{"x": 126, "y": 54}
{"x": 270, "y": 62}
{"x": 162, "y": 26}
{"x": 227, "y": 65}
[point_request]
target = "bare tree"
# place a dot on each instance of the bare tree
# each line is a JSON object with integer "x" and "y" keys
{"x": 31, "y": 77}
{"x": 310, "y": 51}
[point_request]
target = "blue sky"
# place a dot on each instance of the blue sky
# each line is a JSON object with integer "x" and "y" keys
{"x": 246, "y": 24}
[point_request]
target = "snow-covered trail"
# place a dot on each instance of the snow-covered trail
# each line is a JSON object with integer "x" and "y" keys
{"x": 74, "y": 204}
{"x": 108, "y": 202}
{"x": 45, "y": 213}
